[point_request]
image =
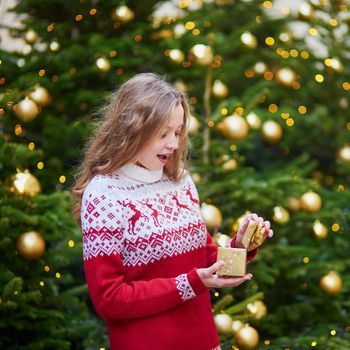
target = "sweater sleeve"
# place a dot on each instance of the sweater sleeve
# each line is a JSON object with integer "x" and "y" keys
{"x": 103, "y": 243}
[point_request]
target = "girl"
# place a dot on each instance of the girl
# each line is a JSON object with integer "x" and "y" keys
{"x": 148, "y": 258}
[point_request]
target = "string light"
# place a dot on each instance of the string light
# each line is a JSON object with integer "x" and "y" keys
{"x": 41, "y": 72}
{"x": 335, "y": 227}
{"x": 62, "y": 179}
{"x": 224, "y": 111}
{"x": 71, "y": 243}
{"x": 40, "y": 165}
{"x": 273, "y": 108}
{"x": 319, "y": 78}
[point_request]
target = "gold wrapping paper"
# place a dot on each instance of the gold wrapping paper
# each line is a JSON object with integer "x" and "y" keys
{"x": 235, "y": 261}
{"x": 253, "y": 235}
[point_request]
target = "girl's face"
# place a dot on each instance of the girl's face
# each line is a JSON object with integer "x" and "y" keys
{"x": 156, "y": 154}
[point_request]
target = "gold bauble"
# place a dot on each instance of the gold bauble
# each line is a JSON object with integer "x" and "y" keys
{"x": 238, "y": 223}
{"x": 331, "y": 283}
{"x": 221, "y": 239}
{"x": 123, "y": 14}
{"x": 30, "y": 245}
{"x": 280, "y": 215}
{"x": 236, "y": 326}
{"x": 257, "y": 309}
{"x": 219, "y": 89}
{"x": 272, "y": 131}
{"x": 230, "y": 164}
{"x": 55, "y": 46}
{"x": 211, "y": 216}
{"x": 176, "y": 56}
{"x": 320, "y": 230}
{"x": 344, "y": 154}
{"x": 249, "y": 40}
{"x": 223, "y": 323}
{"x": 335, "y": 64}
{"x": 285, "y": 77}
{"x": 203, "y": 54}
{"x": 194, "y": 125}
{"x": 235, "y": 127}
{"x": 253, "y": 120}
{"x": 31, "y": 36}
{"x": 311, "y": 202}
{"x": 306, "y": 11}
{"x": 260, "y": 67}
{"x": 293, "y": 204}
{"x": 40, "y": 95}
{"x": 26, "y": 110}
{"x": 196, "y": 178}
{"x": 247, "y": 338}
{"x": 24, "y": 183}
{"x": 181, "y": 86}
{"x": 103, "y": 64}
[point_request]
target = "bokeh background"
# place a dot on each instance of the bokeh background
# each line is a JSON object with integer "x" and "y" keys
{"x": 268, "y": 84}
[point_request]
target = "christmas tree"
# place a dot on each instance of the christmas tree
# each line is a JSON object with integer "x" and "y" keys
{"x": 268, "y": 87}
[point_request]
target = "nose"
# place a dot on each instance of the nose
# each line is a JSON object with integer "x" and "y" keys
{"x": 172, "y": 143}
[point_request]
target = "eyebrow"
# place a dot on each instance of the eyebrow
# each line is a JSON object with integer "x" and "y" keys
{"x": 180, "y": 126}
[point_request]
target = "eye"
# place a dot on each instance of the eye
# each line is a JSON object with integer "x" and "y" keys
{"x": 163, "y": 136}
{"x": 177, "y": 134}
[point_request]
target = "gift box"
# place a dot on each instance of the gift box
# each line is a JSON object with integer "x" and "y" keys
{"x": 235, "y": 261}
{"x": 253, "y": 235}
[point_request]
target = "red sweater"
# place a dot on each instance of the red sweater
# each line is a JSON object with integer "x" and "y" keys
{"x": 143, "y": 240}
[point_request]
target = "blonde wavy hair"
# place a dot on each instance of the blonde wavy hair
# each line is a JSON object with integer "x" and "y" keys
{"x": 133, "y": 117}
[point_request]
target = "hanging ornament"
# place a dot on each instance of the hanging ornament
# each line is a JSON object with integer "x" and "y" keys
{"x": 181, "y": 86}
{"x": 334, "y": 64}
{"x": 247, "y": 338}
{"x": 331, "y": 283}
{"x": 249, "y": 40}
{"x": 230, "y": 164}
{"x": 223, "y": 323}
{"x": 253, "y": 120}
{"x": 234, "y": 127}
{"x": 280, "y": 215}
{"x": 221, "y": 239}
{"x": 237, "y": 223}
{"x": 24, "y": 183}
{"x": 306, "y": 11}
{"x": 219, "y": 89}
{"x": 344, "y": 153}
{"x": 293, "y": 204}
{"x": 26, "y": 110}
{"x": 272, "y": 132}
{"x": 320, "y": 230}
{"x": 286, "y": 37}
{"x": 55, "y": 46}
{"x": 311, "y": 202}
{"x": 211, "y": 216}
{"x": 203, "y": 54}
{"x": 196, "y": 178}
{"x": 236, "y": 326}
{"x": 176, "y": 56}
{"x": 179, "y": 30}
{"x": 30, "y": 245}
{"x": 103, "y": 64}
{"x": 31, "y": 36}
{"x": 257, "y": 309}
{"x": 260, "y": 68}
{"x": 285, "y": 77}
{"x": 40, "y": 95}
{"x": 193, "y": 125}
{"x": 123, "y": 14}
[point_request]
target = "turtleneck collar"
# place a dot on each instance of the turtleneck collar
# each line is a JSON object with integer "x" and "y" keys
{"x": 140, "y": 174}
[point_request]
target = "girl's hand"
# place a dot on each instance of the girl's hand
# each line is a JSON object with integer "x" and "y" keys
{"x": 252, "y": 217}
{"x": 211, "y": 280}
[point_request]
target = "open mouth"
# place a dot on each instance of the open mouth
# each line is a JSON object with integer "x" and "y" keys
{"x": 163, "y": 156}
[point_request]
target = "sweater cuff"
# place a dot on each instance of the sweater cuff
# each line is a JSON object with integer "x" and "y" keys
{"x": 250, "y": 255}
{"x": 196, "y": 282}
